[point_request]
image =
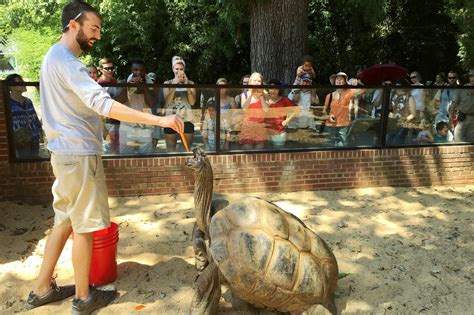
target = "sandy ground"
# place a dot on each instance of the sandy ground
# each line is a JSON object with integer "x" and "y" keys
{"x": 402, "y": 251}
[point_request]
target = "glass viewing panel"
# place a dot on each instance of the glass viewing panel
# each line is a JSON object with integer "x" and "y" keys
{"x": 297, "y": 119}
{"x": 25, "y": 128}
{"x": 430, "y": 116}
{"x": 241, "y": 119}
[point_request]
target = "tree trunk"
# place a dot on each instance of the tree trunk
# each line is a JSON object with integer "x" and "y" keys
{"x": 278, "y": 34}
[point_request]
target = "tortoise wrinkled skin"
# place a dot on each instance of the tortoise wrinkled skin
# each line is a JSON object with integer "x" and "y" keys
{"x": 268, "y": 257}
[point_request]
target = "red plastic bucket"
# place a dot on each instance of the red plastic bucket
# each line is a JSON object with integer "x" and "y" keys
{"x": 103, "y": 268}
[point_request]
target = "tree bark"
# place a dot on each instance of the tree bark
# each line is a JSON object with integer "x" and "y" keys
{"x": 278, "y": 34}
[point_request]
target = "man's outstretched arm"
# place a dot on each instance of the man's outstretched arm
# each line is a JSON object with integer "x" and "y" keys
{"x": 124, "y": 113}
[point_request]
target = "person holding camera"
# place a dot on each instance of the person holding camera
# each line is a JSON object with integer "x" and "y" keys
{"x": 179, "y": 101}
{"x": 136, "y": 138}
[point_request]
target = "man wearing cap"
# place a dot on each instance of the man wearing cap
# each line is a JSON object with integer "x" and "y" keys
{"x": 339, "y": 119}
{"x": 464, "y": 105}
{"x": 71, "y": 104}
{"x": 304, "y": 98}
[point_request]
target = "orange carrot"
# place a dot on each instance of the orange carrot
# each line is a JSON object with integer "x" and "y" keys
{"x": 185, "y": 142}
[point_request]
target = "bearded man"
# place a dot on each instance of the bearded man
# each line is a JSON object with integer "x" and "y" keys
{"x": 71, "y": 104}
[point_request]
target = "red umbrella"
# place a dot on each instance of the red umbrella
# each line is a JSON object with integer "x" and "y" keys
{"x": 377, "y": 74}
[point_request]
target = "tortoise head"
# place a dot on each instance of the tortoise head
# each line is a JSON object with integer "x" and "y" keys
{"x": 199, "y": 161}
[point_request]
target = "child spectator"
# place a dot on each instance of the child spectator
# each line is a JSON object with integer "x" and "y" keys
{"x": 229, "y": 110}
{"x": 306, "y": 68}
{"x": 424, "y": 136}
{"x": 443, "y": 134}
{"x": 92, "y": 71}
{"x": 209, "y": 129}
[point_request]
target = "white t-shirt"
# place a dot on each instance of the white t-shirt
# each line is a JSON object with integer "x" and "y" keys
{"x": 71, "y": 104}
{"x": 419, "y": 97}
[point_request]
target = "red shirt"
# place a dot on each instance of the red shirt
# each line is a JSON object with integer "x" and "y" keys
{"x": 278, "y": 115}
{"x": 103, "y": 81}
{"x": 254, "y": 112}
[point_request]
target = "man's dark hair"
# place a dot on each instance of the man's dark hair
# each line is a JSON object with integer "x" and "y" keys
{"x": 243, "y": 78}
{"x": 76, "y": 10}
{"x": 453, "y": 72}
{"x": 308, "y": 58}
{"x": 12, "y": 77}
{"x": 278, "y": 83}
{"x": 137, "y": 62}
{"x": 441, "y": 125}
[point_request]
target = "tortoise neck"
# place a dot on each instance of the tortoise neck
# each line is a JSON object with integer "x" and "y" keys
{"x": 203, "y": 187}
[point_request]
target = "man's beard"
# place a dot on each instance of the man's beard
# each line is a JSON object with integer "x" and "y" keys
{"x": 83, "y": 41}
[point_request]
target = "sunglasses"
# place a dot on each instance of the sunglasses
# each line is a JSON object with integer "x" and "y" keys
{"x": 413, "y": 77}
{"x": 452, "y": 78}
{"x": 108, "y": 68}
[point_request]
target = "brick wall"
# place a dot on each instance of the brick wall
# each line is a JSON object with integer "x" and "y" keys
{"x": 5, "y": 187}
{"x": 450, "y": 165}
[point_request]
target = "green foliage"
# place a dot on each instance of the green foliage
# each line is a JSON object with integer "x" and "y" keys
{"x": 342, "y": 34}
{"x": 418, "y": 35}
{"x": 208, "y": 35}
{"x": 30, "y": 47}
{"x": 343, "y": 275}
{"x": 462, "y": 13}
{"x": 213, "y": 36}
{"x": 31, "y": 14}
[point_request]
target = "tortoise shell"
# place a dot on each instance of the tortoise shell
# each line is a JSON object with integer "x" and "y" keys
{"x": 270, "y": 258}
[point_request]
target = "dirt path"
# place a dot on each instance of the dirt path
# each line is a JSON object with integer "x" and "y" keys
{"x": 402, "y": 250}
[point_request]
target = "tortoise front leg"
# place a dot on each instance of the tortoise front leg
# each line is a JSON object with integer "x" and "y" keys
{"x": 331, "y": 306}
{"x": 207, "y": 292}
{"x": 200, "y": 250}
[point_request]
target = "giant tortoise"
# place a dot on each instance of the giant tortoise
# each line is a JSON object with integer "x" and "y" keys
{"x": 268, "y": 256}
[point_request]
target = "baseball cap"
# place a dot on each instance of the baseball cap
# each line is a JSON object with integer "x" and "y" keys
{"x": 306, "y": 77}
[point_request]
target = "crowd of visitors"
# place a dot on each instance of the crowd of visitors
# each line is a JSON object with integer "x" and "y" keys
{"x": 255, "y": 118}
